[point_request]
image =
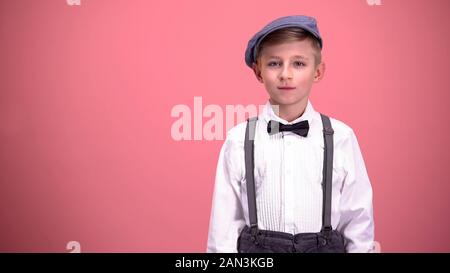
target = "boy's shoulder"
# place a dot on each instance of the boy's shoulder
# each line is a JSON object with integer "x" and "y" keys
{"x": 237, "y": 133}
{"x": 341, "y": 129}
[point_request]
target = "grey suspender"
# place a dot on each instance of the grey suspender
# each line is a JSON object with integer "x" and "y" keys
{"x": 327, "y": 173}
{"x": 249, "y": 172}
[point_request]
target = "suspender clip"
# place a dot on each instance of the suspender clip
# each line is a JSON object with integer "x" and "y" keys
{"x": 254, "y": 232}
{"x": 326, "y": 231}
{"x": 328, "y": 131}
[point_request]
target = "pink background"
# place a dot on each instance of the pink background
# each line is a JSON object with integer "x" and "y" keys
{"x": 86, "y": 93}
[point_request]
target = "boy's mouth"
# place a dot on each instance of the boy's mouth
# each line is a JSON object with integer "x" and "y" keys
{"x": 286, "y": 87}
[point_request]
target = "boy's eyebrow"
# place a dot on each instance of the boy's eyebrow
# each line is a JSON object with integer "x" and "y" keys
{"x": 301, "y": 57}
{"x": 294, "y": 57}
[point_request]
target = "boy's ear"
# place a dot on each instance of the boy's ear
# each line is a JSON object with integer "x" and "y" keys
{"x": 257, "y": 72}
{"x": 320, "y": 71}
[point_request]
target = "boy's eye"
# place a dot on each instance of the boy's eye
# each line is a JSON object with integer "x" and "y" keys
{"x": 273, "y": 63}
{"x": 298, "y": 63}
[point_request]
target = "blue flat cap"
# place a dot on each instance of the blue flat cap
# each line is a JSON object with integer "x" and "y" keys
{"x": 304, "y": 22}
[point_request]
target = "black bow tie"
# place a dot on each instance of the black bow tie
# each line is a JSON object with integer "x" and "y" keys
{"x": 300, "y": 128}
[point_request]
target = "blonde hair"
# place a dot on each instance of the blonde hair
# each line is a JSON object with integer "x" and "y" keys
{"x": 290, "y": 34}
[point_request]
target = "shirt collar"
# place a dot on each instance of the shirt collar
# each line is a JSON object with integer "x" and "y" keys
{"x": 268, "y": 114}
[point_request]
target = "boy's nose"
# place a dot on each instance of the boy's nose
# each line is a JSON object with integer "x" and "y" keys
{"x": 286, "y": 73}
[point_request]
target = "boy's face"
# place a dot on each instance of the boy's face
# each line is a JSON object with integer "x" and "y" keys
{"x": 288, "y": 71}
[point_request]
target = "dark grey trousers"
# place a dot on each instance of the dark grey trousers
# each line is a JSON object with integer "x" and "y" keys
{"x": 267, "y": 241}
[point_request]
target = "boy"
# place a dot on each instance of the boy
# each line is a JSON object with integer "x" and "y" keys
{"x": 292, "y": 179}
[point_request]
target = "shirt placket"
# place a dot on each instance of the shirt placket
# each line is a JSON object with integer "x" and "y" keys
{"x": 288, "y": 184}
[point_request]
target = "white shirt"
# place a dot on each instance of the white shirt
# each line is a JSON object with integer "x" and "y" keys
{"x": 288, "y": 177}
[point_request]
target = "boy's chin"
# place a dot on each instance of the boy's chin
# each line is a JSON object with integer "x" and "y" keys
{"x": 284, "y": 102}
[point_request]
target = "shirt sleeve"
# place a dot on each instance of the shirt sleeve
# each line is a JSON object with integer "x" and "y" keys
{"x": 356, "y": 222}
{"x": 227, "y": 219}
